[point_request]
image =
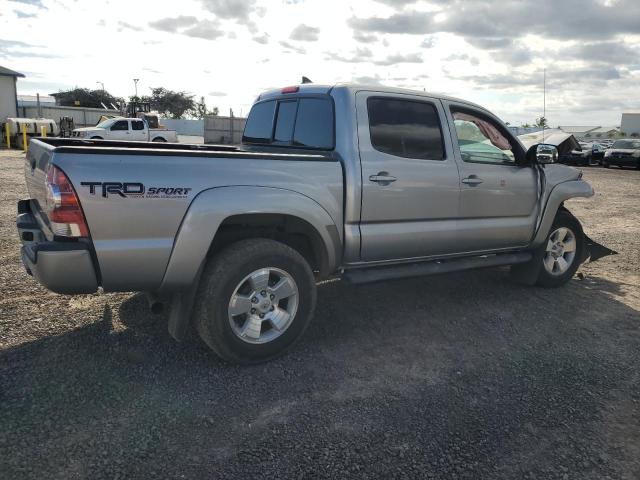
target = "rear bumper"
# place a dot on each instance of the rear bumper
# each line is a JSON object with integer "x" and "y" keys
{"x": 61, "y": 266}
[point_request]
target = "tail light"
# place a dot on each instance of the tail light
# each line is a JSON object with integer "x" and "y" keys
{"x": 63, "y": 207}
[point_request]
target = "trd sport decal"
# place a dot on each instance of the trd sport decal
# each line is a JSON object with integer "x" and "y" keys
{"x": 135, "y": 190}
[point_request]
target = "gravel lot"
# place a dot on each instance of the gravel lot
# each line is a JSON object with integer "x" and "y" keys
{"x": 457, "y": 376}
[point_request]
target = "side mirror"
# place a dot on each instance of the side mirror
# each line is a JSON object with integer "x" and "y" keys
{"x": 542, "y": 153}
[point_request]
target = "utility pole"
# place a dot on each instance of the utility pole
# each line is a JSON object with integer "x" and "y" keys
{"x": 135, "y": 83}
{"x": 102, "y": 97}
{"x": 544, "y": 100}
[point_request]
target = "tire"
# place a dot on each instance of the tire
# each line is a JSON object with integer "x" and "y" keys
{"x": 159, "y": 139}
{"x": 238, "y": 272}
{"x": 96, "y": 138}
{"x": 566, "y": 231}
{"x": 605, "y": 164}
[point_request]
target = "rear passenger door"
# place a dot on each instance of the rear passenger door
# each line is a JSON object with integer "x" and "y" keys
{"x": 410, "y": 182}
{"x": 138, "y": 132}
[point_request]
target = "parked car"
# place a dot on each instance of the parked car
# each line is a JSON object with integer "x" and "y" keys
{"x": 623, "y": 153}
{"x": 589, "y": 154}
{"x": 132, "y": 129}
{"x": 364, "y": 183}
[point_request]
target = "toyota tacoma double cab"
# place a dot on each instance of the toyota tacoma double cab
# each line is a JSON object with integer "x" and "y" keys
{"x": 364, "y": 183}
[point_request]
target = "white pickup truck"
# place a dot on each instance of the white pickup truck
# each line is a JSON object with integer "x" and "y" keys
{"x": 133, "y": 129}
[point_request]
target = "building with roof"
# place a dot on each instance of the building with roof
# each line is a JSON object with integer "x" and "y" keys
{"x": 32, "y": 101}
{"x": 8, "y": 93}
{"x": 583, "y": 132}
{"x": 630, "y": 124}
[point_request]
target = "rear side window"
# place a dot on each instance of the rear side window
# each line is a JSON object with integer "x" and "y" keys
{"x": 260, "y": 123}
{"x": 137, "y": 125}
{"x": 314, "y": 124}
{"x": 284, "y": 122}
{"x": 405, "y": 128}
{"x": 305, "y": 122}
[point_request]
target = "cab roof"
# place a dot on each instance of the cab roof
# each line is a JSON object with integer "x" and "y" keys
{"x": 316, "y": 89}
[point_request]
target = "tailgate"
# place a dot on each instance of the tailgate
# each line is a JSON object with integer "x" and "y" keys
{"x": 35, "y": 169}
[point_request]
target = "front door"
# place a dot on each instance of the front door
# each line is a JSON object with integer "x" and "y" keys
{"x": 498, "y": 191}
{"x": 410, "y": 183}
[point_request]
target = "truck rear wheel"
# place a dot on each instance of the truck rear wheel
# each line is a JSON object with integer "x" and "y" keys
{"x": 562, "y": 251}
{"x": 255, "y": 300}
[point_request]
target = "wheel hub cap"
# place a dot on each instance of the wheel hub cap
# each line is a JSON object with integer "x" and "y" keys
{"x": 560, "y": 252}
{"x": 263, "y": 305}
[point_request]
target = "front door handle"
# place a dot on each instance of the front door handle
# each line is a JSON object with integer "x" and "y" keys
{"x": 472, "y": 180}
{"x": 383, "y": 178}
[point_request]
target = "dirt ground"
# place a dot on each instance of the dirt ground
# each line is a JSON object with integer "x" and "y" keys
{"x": 457, "y": 376}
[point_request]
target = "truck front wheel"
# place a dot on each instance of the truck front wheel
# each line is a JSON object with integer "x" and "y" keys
{"x": 255, "y": 300}
{"x": 562, "y": 251}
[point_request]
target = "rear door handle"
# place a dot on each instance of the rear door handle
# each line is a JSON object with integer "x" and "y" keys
{"x": 382, "y": 178}
{"x": 472, "y": 180}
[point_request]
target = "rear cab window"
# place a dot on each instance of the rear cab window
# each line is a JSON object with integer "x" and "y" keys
{"x": 300, "y": 122}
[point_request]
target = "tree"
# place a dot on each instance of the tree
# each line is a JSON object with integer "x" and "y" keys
{"x": 525, "y": 125}
{"x": 171, "y": 104}
{"x": 83, "y": 97}
{"x": 200, "y": 109}
{"x": 542, "y": 122}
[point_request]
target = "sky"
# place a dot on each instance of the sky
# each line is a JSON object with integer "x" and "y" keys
{"x": 490, "y": 52}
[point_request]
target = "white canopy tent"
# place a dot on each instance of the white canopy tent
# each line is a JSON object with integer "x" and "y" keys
{"x": 564, "y": 142}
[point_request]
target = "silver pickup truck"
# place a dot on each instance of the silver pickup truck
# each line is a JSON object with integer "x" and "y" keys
{"x": 366, "y": 183}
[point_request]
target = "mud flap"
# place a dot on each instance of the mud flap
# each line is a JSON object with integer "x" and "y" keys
{"x": 181, "y": 308}
{"x": 594, "y": 250}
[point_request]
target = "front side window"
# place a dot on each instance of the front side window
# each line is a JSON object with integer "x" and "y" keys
{"x": 120, "y": 125}
{"x": 480, "y": 141}
{"x": 405, "y": 128}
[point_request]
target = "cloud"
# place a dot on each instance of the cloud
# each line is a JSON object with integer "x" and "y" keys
{"x": 367, "y": 80}
{"x": 207, "y": 29}
{"x": 173, "y": 24}
{"x": 405, "y": 22}
{"x": 18, "y": 49}
{"x": 128, "y": 26}
{"x": 612, "y": 52}
{"x": 358, "y": 56}
{"x": 20, "y": 14}
{"x": 463, "y": 57}
{"x": 190, "y": 26}
{"x": 305, "y": 33}
{"x": 363, "y": 37}
{"x": 230, "y": 9}
{"x": 428, "y": 42}
{"x": 217, "y": 94}
{"x": 35, "y": 3}
{"x": 569, "y": 19}
{"x": 263, "y": 39}
{"x": 400, "y": 58}
{"x": 292, "y": 48}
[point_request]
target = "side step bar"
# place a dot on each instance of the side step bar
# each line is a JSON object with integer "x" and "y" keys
{"x": 377, "y": 274}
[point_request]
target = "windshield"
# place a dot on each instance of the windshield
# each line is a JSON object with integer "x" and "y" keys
{"x": 105, "y": 123}
{"x": 626, "y": 144}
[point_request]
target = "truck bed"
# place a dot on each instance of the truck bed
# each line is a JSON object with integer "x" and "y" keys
{"x": 133, "y": 233}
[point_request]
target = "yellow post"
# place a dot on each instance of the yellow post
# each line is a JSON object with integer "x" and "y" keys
{"x": 6, "y": 127}
{"x": 25, "y": 145}
{"x": 43, "y": 131}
